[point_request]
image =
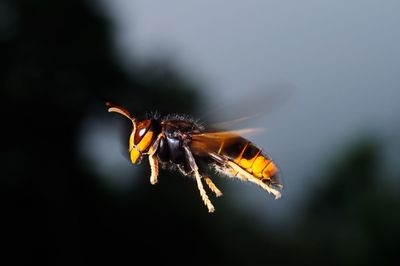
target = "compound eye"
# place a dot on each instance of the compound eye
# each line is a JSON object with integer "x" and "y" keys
{"x": 141, "y": 129}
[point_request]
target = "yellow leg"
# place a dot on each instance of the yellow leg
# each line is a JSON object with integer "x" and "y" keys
{"x": 242, "y": 174}
{"x": 153, "y": 160}
{"x": 212, "y": 186}
{"x": 154, "y": 169}
{"x": 197, "y": 175}
{"x": 203, "y": 193}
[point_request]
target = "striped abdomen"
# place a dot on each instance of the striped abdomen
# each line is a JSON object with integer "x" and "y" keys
{"x": 251, "y": 159}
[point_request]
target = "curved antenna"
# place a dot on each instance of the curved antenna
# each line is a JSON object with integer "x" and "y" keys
{"x": 118, "y": 109}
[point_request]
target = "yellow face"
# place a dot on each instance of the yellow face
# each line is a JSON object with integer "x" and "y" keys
{"x": 140, "y": 140}
{"x": 141, "y": 136}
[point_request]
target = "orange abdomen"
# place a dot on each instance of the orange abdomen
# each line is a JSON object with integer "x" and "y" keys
{"x": 251, "y": 159}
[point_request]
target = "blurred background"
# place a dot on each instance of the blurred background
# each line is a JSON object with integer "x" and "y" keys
{"x": 70, "y": 195}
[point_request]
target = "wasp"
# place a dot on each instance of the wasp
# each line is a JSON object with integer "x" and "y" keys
{"x": 180, "y": 143}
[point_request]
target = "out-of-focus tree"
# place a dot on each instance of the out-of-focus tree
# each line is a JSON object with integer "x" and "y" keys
{"x": 352, "y": 218}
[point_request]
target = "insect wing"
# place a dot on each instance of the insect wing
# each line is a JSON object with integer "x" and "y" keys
{"x": 253, "y": 104}
{"x": 204, "y": 143}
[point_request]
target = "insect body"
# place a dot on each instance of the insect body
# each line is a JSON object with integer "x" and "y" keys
{"x": 180, "y": 143}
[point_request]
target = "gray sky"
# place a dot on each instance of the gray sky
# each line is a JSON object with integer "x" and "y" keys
{"x": 343, "y": 57}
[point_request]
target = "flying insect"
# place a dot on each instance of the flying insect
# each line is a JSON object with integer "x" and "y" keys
{"x": 179, "y": 142}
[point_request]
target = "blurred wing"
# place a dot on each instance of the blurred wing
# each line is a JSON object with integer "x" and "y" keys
{"x": 232, "y": 122}
{"x": 252, "y": 104}
{"x": 207, "y": 142}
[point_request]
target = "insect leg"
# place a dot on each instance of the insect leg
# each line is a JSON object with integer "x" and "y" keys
{"x": 153, "y": 160}
{"x": 154, "y": 169}
{"x": 195, "y": 169}
{"x": 212, "y": 186}
{"x": 242, "y": 174}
